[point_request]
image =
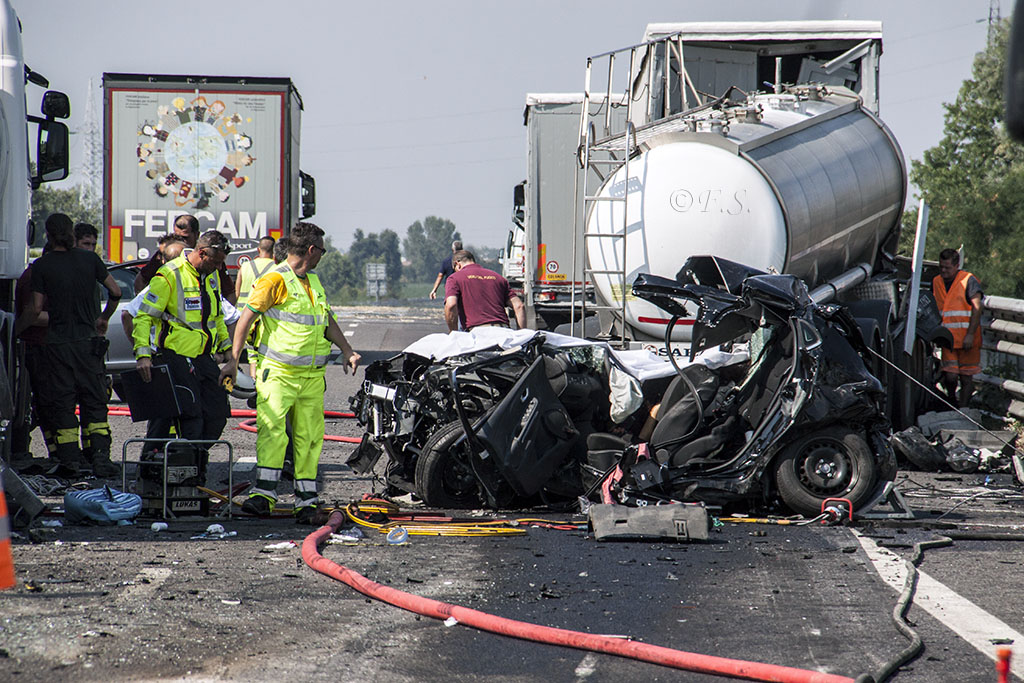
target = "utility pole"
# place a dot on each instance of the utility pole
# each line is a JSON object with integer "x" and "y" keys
{"x": 91, "y": 168}
{"x": 994, "y": 17}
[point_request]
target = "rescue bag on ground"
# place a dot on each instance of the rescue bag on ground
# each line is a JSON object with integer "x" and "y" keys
{"x": 100, "y": 506}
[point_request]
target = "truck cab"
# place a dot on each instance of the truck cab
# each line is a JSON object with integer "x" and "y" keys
{"x": 17, "y": 181}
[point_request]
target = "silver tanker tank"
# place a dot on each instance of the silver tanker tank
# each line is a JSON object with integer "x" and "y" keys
{"x": 806, "y": 182}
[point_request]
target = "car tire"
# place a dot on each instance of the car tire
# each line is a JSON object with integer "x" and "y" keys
{"x": 834, "y": 463}
{"x": 443, "y": 478}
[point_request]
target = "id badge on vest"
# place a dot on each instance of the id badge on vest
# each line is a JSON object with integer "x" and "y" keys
{"x": 193, "y": 303}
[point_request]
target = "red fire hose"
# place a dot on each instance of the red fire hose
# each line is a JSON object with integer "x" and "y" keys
{"x": 688, "y": 661}
{"x": 250, "y": 424}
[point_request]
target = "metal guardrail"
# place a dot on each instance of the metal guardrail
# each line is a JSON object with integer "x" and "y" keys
{"x": 1003, "y": 345}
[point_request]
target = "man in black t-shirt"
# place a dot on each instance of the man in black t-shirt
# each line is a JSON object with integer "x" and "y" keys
{"x": 73, "y": 354}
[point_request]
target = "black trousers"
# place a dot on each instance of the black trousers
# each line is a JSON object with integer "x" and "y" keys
{"x": 203, "y": 402}
{"x": 70, "y": 373}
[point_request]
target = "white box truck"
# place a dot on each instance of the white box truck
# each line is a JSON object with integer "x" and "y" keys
{"x": 225, "y": 149}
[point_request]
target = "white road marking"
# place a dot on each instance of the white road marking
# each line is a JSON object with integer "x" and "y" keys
{"x": 155, "y": 577}
{"x": 586, "y": 667}
{"x": 353, "y": 324}
{"x": 244, "y": 463}
{"x": 957, "y": 613}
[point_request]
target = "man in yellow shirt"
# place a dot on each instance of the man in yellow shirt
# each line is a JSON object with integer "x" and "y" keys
{"x": 294, "y": 343}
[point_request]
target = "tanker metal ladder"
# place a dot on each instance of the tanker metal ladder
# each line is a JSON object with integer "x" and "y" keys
{"x": 601, "y": 158}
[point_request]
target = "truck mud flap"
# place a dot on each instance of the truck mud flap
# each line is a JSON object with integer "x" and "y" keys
{"x": 679, "y": 522}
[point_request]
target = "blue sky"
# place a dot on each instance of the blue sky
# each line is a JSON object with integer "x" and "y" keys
{"x": 415, "y": 108}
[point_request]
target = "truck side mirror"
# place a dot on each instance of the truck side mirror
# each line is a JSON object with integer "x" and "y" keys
{"x": 518, "y": 203}
{"x": 308, "y": 189}
{"x": 55, "y": 105}
{"x": 51, "y": 152}
{"x": 1015, "y": 76}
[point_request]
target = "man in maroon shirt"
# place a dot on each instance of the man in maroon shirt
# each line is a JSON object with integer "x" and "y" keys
{"x": 477, "y": 297}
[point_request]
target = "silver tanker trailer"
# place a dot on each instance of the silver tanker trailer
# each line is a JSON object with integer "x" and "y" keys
{"x": 806, "y": 182}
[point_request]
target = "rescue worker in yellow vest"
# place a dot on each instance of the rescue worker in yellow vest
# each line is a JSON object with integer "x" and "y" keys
{"x": 181, "y": 324}
{"x": 249, "y": 273}
{"x": 253, "y": 270}
{"x": 959, "y": 296}
{"x": 296, "y": 332}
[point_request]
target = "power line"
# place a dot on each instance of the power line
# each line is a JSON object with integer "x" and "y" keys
{"x": 381, "y": 122}
{"x": 432, "y": 164}
{"x": 378, "y": 148}
{"x": 900, "y": 39}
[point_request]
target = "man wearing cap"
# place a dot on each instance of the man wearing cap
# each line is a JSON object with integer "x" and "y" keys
{"x": 297, "y": 329}
{"x": 181, "y": 324}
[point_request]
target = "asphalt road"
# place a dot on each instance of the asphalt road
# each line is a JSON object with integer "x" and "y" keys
{"x": 125, "y": 603}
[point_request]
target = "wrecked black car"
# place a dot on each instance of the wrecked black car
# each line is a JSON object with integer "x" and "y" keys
{"x": 786, "y": 411}
{"x": 802, "y": 420}
{"x": 501, "y": 420}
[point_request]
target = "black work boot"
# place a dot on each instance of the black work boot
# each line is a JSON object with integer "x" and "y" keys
{"x": 103, "y": 468}
{"x": 258, "y": 506}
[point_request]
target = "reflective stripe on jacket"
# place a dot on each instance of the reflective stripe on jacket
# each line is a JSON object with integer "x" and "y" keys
{"x": 955, "y": 308}
{"x": 292, "y": 333}
{"x": 171, "y": 314}
{"x": 250, "y": 273}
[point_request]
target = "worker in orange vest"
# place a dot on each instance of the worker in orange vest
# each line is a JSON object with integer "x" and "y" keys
{"x": 958, "y": 295}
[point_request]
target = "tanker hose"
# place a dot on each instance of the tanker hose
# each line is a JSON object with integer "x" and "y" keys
{"x": 900, "y": 610}
{"x": 687, "y": 661}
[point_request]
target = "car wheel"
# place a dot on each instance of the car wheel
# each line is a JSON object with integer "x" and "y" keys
{"x": 837, "y": 463}
{"x": 443, "y": 477}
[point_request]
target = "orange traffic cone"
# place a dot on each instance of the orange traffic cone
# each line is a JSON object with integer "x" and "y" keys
{"x": 6, "y": 560}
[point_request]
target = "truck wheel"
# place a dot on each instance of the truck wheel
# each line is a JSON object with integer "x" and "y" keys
{"x": 837, "y": 463}
{"x": 443, "y": 478}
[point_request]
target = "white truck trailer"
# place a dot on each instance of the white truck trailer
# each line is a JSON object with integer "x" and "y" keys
{"x": 225, "y": 149}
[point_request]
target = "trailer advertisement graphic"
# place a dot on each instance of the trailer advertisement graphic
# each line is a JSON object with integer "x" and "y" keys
{"x": 216, "y": 155}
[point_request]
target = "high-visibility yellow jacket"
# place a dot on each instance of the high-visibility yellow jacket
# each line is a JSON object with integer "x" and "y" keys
{"x": 248, "y": 274}
{"x": 171, "y": 313}
{"x": 292, "y": 333}
{"x": 956, "y": 309}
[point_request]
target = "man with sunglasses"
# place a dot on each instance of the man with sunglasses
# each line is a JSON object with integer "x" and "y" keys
{"x": 296, "y": 331}
{"x": 181, "y": 324}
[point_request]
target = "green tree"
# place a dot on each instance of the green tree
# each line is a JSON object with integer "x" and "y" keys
{"x": 426, "y": 244}
{"x": 486, "y": 256}
{"x": 973, "y": 179}
{"x": 47, "y": 200}
{"x": 330, "y": 270}
{"x": 374, "y": 248}
{"x": 344, "y": 275}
